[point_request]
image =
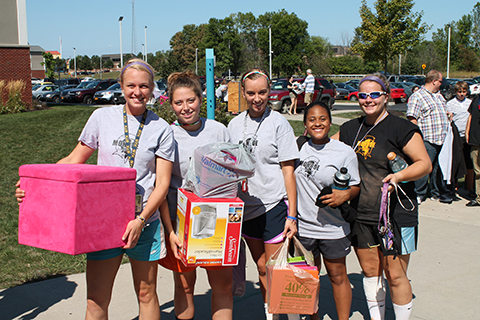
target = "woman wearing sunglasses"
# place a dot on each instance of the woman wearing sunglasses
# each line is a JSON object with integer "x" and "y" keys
{"x": 372, "y": 137}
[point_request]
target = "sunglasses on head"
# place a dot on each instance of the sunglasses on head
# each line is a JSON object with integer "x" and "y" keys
{"x": 373, "y": 95}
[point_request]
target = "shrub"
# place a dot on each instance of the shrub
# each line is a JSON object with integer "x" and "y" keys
{"x": 13, "y": 91}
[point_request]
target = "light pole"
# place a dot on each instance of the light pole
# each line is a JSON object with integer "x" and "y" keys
{"x": 143, "y": 51}
{"x": 270, "y": 48}
{"x": 121, "y": 50}
{"x": 146, "y": 58}
{"x": 448, "y": 54}
{"x": 75, "y": 61}
{"x": 196, "y": 61}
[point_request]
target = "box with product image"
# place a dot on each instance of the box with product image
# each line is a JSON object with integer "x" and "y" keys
{"x": 209, "y": 229}
{"x": 75, "y": 208}
{"x": 293, "y": 288}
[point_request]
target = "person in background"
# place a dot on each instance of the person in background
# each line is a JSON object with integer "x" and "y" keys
{"x": 427, "y": 109}
{"x": 270, "y": 139}
{"x": 191, "y": 132}
{"x": 372, "y": 137}
{"x": 458, "y": 107}
{"x": 309, "y": 86}
{"x": 292, "y": 86}
{"x": 323, "y": 230}
{"x": 112, "y": 131}
{"x": 472, "y": 136}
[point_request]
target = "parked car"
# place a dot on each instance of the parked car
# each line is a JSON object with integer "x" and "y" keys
{"x": 54, "y": 96}
{"x": 106, "y": 96}
{"x": 160, "y": 87}
{"x": 353, "y": 96}
{"x": 349, "y": 87}
{"x": 280, "y": 99}
{"x": 401, "y": 78}
{"x": 396, "y": 94}
{"x": 67, "y": 81}
{"x": 406, "y": 86}
{"x": 341, "y": 93}
{"x": 84, "y": 93}
{"x": 40, "y": 89}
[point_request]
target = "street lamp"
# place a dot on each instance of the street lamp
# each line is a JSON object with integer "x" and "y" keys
{"x": 75, "y": 60}
{"x": 196, "y": 61}
{"x": 270, "y": 48}
{"x": 146, "y": 58}
{"x": 448, "y": 54}
{"x": 121, "y": 50}
{"x": 143, "y": 51}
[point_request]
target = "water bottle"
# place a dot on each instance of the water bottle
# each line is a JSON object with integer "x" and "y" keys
{"x": 396, "y": 162}
{"x": 341, "y": 179}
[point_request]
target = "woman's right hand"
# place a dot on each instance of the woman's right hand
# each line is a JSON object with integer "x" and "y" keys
{"x": 175, "y": 244}
{"x": 19, "y": 193}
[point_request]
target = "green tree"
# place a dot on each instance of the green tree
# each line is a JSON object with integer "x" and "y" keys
{"x": 317, "y": 55}
{"x": 49, "y": 64}
{"x": 95, "y": 62}
{"x": 84, "y": 63}
{"x": 184, "y": 43}
{"x": 393, "y": 29}
{"x": 108, "y": 64}
{"x": 476, "y": 25}
{"x": 247, "y": 25}
{"x": 290, "y": 41}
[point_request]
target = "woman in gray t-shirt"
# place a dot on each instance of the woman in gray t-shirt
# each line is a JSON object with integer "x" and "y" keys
{"x": 191, "y": 132}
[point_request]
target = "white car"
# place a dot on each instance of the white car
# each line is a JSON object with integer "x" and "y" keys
{"x": 41, "y": 89}
{"x": 475, "y": 87}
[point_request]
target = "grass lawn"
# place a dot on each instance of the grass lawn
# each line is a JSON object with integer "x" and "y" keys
{"x": 41, "y": 137}
{"x": 34, "y": 137}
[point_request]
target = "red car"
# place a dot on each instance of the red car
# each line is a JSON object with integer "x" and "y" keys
{"x": 396, "y": 94}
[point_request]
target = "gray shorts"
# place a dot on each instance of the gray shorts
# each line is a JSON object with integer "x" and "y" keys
{"x": 328, "y": 248}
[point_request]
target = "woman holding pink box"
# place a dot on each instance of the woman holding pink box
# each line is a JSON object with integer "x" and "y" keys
{"x": 129, "y": 136}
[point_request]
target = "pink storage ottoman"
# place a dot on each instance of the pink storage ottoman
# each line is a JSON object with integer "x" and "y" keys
{"x": 75, "y": 208}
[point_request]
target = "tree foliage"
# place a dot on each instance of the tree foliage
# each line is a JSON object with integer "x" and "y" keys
{"x": 392, "y": 29}
{"x": 49, "y": 64}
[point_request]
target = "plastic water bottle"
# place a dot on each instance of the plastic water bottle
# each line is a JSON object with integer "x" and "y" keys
{"x": 396, "y": 162}
{"x": 341, "y": 179}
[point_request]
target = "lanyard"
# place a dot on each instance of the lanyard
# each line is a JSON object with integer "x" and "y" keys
{"x": 354, "y": 146}
{"x": 131, "y": 153}
{"x": 385, "y": 228}
{"x": 264, "y": 115}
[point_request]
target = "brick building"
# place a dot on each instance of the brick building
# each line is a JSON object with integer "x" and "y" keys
{"x": 14, "y": 48}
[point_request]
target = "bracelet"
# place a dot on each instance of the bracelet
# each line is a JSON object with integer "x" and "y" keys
{"x": 142, "y": 219}
{"x": 292, "y": 218}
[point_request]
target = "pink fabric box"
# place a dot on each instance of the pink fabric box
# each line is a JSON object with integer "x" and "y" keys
{"x": 75, "y": 208}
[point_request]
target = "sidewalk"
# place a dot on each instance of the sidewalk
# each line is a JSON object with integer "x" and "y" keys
{"x": 443, "y": 273}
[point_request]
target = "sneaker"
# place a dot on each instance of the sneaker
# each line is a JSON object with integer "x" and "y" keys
{"x": 445, "y": 199}
{"x": 472, "y": 195}
{"x": 473, "y": 203}
{"x": 419, "y": 200}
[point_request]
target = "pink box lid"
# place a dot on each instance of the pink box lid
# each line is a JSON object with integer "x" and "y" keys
{"x": 77, "y": 172}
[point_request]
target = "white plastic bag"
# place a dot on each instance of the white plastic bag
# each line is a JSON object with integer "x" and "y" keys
{"x": 216, "y": 169}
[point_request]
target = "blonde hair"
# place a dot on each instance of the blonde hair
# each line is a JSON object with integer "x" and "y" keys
{"x": 140, "y": 65}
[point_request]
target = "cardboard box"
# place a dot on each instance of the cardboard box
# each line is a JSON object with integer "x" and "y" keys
{"x": 75, "y": 208}
{"x": 288, "y": 293}
{"x": 209, "y": 229}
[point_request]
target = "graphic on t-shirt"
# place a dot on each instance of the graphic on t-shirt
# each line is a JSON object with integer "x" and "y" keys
{"x": 366, "y": 146}
{"x": 121, "y": 147}
{"x": 310, "y": 166}
{"x": 250, "y": 142}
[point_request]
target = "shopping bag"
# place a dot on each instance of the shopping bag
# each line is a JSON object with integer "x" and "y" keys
{"x": 292, "y": 288}
{"x": 216, "y": 169}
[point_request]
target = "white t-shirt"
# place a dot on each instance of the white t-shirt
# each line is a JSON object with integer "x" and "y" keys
{"x": 104, "y": 131}
{"x": 273, "y": 143}
{"x": 459, "y": 109}
{"x": 186, "y": 141}
{"x": 313, "y": 172}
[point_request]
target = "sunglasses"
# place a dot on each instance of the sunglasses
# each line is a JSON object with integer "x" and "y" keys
{"x": 373, "y": 95}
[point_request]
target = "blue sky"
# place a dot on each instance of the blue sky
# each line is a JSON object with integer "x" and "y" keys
{"x": 93, "y": 28}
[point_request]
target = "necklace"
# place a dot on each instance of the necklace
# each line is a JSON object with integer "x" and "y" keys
{"x": 264, "y": 115}
{"x": 186, "y": 124}
{"x": 361, "y": 126}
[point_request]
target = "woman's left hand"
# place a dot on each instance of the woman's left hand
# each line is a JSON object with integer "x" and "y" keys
{"x": 132, "y": 233}
{"x": 392, "y": 178}
{"x": 290, "y": 228}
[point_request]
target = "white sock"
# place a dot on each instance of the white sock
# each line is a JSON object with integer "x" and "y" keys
{"x": 403, "y": 312}
{"x": 268, "y": 316}
{"x": 375, "y": 294}
{"x": 292, "y": 316}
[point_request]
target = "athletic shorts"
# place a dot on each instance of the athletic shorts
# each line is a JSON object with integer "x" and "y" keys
{"x": 365, "y": 236}
{"x": 148, "y": 248}
{"x": 466, "y": 155}
{"x": 328, "y": 248}
{"x": 267, "y": 227}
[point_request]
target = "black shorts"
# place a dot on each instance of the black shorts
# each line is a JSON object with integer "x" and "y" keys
{"x": 329, "y": 248}
{"x": 466, "y": 154}
{"x": 366, "y": 236}
{"x": 267, "y": 227}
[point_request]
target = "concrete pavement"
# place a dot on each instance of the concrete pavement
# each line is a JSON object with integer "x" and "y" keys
{"x": 443, "y": 273}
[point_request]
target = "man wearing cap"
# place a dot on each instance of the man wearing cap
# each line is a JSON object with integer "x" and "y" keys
{"x": 309, "y": 85}
{"x": 427, "y": 109}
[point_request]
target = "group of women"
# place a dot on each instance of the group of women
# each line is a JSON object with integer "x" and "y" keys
{"x": 160, "y": 154}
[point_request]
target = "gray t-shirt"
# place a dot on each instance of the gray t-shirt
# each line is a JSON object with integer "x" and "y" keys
{"x": 314, "y": 171}
{"x": 186, "y": 141}
{"x": 273, "y": 143}
{"x": 104, "y": 131}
